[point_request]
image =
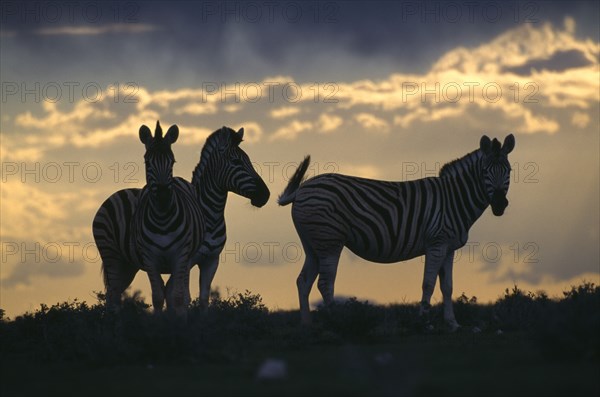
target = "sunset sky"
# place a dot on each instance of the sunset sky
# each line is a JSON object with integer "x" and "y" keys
{"x": 386, "y": 90}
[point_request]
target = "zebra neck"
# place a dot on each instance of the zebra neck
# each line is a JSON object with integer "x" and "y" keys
{"x": 163, "y": 205}
{"x": 466, "y": 192}
{"x": 212, "y": 197}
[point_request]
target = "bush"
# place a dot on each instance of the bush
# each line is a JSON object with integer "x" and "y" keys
{"x": 518, "y": 310}
{"x": 78, "y": 332}
{"x": 570, "y": 328}
{"x": 351, "y": 318}
{"x": 471, "y": 314}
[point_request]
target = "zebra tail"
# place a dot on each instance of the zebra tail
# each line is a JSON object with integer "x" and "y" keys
{"x": 289, "y": 194}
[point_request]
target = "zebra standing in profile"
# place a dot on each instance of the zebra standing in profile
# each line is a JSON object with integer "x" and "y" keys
{"x": 223, "y": 167}
{"x": 395, "y": 221}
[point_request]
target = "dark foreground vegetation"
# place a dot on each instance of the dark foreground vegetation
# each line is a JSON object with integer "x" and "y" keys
{"x": 523, "y": 344}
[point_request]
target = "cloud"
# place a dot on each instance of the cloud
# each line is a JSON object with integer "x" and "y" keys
{"x": 580, "y": 119}
{"x": 372, "y": 122}
{"x": 232, "y": 108}
{"x": 197, "y": 108}
{"x": 36, "y": 265}
{"x": 31, "y": 211}
{"x": 484, "y": 78}
{"x": 82, "y": 111}
{"x": 362, "y": 170}
{"x": 116, "y": 28}
{"x": 291, "y": 130}
{"x": 284, "y": 111}
{"x": 557, "y": 62}
{"x": 17, "y": 152}
{"x": 7, "y": 33}
{"x": 522, "y": 76}
{"x": 328, "y": 123}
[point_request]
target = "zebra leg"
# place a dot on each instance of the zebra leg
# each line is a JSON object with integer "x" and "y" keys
{"x": 304, "y": 282}
{"x": 434, "y": 258}
{"x": 208, "y": 269}
{"x": 328, "y": 264}
{"x": 158, "y": 289}
{"x": 169, "y": 291}
{"x": 176, "y": 293}
{"x": 117, "y": 277}
{"x": 446, "y": 287}
{"x": 187, "y": 298}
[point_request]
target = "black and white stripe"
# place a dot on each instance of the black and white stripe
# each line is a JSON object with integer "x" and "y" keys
{"x": 394, "y": 221}
{"x": 223, "y": 167}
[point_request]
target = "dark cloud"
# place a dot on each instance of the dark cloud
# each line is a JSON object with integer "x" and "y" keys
{"x": 210, "y": 41}
{"x": 558, "y": 62}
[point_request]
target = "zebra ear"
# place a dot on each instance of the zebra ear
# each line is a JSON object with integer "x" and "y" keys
{"x": 509, "y": 144}
{"x": 485, "y": 144}
{"x": 238, "y": 137}
{"x": 145, "y": 135}
{"x": 172, "y": 134}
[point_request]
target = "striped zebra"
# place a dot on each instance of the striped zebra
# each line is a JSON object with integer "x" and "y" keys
{"x": 167, "y": 226}
{"x": 223, "y": 167}
{"x": 388, "y": 222}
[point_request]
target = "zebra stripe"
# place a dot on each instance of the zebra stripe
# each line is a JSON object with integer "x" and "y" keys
{"x": 223, "y": 167}
{"x": 395, "y": 221}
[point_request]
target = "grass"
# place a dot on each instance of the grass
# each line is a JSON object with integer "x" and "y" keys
{"x": 525, "y": 343}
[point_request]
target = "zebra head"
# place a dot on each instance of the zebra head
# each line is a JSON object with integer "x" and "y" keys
{"x": 496, "y": 171}
{"x": 159, "y": 160}
{"x": 231, "y": 168}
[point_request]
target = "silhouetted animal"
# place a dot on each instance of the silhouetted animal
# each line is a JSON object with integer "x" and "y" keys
{"x": 395, "y": 221}
{"x": 223, "y": 167}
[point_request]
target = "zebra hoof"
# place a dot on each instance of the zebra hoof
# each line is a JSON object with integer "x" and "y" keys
{"x": 306, "y": 321}
{"x": 453, "y": 326}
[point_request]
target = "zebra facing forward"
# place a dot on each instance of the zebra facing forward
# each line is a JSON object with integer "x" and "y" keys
{"x": 395, "y": 221}
{"x": 223, "y": 167}
{"x": 167, "y": 226}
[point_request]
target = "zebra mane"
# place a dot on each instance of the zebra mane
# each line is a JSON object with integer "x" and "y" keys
{"x": 222, "y": 138}
{"x": 448, "y": 168}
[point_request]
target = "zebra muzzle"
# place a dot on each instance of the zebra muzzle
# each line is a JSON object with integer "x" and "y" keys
{"x": 261, "y": 194}
{"x": 499, "y": 203}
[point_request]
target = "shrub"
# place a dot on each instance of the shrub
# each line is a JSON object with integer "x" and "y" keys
{"x": 518, "y": 310}
{"x": 469, "y": 313}
{"x": 79, "y": 332}
{"x": 351, "y": 318}
{"x": 570, "y": 328}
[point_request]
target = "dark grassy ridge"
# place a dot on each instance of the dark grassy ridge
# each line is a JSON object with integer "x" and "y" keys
{"x": 524, "y": 343}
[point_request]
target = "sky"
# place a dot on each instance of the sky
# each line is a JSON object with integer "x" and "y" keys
{"x": 386, "y": 90}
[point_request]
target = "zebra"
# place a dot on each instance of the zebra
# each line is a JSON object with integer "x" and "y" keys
{"x": 223, "y": 167}
{"x": 387, "y": 222}
{"x": 167, "y": 226}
